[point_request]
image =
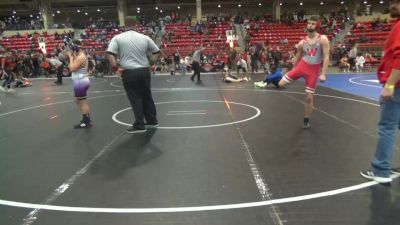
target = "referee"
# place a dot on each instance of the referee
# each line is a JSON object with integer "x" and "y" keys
{"x": 133, "y": 48}
{"x": 196, "y": 63}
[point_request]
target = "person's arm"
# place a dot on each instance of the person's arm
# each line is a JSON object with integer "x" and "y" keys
{"x": 112, "y": 52}
{"x": 112, "y": 59}
{"x": 299, "y": 53}
{"x": 75, "y": 62}
{"x": 388, "y": 90}
{"x": 154, "y": 57}
{"x": 325, "y": 54}
{"x": 153, "y": 49}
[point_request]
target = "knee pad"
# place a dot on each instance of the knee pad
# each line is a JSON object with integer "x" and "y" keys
{"x": 81, "y": 98}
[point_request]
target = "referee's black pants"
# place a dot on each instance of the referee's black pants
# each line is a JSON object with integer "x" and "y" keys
{"x": 60, "y": 74}
{"x": 196, "y": 69}
{"x": 137, "y": 86}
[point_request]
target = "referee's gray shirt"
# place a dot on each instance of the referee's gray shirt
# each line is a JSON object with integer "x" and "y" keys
{"x": 132, "y": 48}
{"x": 197, "y": 56}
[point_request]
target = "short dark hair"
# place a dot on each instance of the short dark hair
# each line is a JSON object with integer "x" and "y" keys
{"x": 130, "y": 21}
{"x": 77, "y": 42}
{"x": 314, "y": 18}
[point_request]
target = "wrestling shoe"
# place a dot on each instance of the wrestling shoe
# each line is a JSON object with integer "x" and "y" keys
{"x": 82, "y": 124}
{"x": 306, "y": 123}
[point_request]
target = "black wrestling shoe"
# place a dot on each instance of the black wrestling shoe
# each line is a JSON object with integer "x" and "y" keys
{"x": 82, "y": 125}
{"x": 306, "y": 123}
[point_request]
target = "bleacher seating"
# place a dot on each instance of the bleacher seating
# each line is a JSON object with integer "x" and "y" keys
{"x": 25, "y": 43}
{"x": 375, "y": 38}
{"x": 272, "y": 33}
{"x": 91, "y": 43}
{"x": 186, "y": 41}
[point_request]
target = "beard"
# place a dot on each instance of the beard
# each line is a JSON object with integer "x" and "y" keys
{"x": 311, "y": 30}
{"x": 394, "y": 13}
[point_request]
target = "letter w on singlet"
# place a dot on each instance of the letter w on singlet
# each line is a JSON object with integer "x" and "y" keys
{"x": 312, "y": 51}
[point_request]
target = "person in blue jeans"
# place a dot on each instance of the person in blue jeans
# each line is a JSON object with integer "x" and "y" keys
{"x": 389, "y": 75}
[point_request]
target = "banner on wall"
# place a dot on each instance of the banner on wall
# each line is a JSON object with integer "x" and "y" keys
{"x": 42, "y": 44}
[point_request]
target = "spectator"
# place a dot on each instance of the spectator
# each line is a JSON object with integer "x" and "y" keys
{"x": 177, "y": 59}
{"x": 360, "y": 60}
{"x": 241, "y": 65}
{"x": 8, "y": 78}
{"x": 254, "y": 60}
{"x": 56, "y": 65}
{"x": 352, "y": 55}
{"x": 344, "y": 64}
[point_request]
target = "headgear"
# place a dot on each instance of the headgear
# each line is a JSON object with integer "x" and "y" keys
{"x": 75, "y": 45}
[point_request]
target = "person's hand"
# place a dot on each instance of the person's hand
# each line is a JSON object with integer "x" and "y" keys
{"x": 387, "y": 94}
{"x": 68, "y": 54}
{"x": 322, "y": 77}
{"x": 119, "y": 72}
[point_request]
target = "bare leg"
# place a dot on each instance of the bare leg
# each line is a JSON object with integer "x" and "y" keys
{"x": 309, "y": 105}
{"x": 78, "y": 104}
{"x": 84, "y": 106}
{"x": 283, "y": 83}
{"x": 232, "y": 80}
